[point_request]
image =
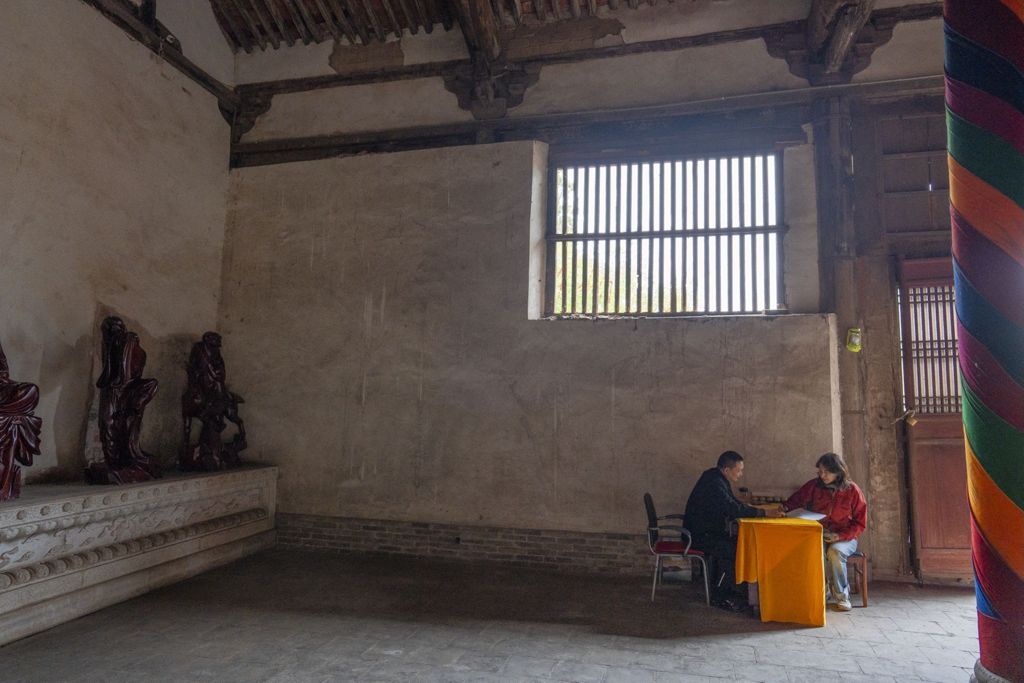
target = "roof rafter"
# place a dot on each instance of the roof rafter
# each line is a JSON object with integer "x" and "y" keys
{"x": 297, "y": 23}
{"x": 257, "y": 5}
{"x": 250, "y": 23}
{"x": 275, "y": 13}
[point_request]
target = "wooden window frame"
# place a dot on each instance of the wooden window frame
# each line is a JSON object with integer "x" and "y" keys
{"x": 677, "y": 298}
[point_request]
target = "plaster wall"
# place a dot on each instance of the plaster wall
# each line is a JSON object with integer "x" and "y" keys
{"x": 112, "y": 200}
{"x": 376, "y": 313}
{"x": 359, "y": 108}
{"x": 916, "y": 49}
{"x": 800, "y": 198}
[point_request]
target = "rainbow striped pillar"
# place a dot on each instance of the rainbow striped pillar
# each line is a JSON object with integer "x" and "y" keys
{"x": 985, "y": 120}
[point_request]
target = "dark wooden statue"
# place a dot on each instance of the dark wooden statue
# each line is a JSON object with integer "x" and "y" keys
{"x": 19, "y": 430}
{"x": 207, "y": 399}
{"x": 124, "y": 394}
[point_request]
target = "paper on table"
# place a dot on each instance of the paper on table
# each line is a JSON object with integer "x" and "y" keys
{"x": 800, "y": 513}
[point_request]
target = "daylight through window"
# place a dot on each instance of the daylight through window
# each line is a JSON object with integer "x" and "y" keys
{"x": 673, "y": 237}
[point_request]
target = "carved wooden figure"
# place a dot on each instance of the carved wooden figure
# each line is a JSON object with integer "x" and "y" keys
{"x": 208, "y": 399}
{"x": 124, "y": 394}
{"x": 19, "y": 430}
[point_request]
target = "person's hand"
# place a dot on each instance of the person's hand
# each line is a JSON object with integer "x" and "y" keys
{"x": 774, "y": 513}
{"x": 830, "y": 536}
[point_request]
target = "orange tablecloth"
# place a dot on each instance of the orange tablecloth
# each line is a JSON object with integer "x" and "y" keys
{"x": 784, "y": 557}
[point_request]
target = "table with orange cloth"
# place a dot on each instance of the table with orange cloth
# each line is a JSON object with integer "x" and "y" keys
{"x": 784, "y": 557}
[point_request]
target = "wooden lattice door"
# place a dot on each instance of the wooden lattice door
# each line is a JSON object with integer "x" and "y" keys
{"x": 935, "y": 443}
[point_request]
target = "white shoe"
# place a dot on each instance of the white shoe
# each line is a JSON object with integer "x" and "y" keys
{"x": 843, "y": 605}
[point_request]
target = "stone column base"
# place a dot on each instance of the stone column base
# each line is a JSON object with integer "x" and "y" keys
{"x": 983, "y": 675}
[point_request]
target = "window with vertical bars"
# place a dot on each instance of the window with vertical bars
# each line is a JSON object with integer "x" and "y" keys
{"x": 931, "y": 379}
{"x": 682, "y": 236}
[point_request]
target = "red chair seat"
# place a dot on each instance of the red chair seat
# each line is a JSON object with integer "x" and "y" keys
{"x": 673, "y": 548}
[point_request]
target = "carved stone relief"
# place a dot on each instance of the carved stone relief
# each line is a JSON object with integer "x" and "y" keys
{"x": 76, "y": 524}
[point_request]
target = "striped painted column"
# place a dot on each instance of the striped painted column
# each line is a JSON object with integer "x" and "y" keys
{"x": 985, "y": 119}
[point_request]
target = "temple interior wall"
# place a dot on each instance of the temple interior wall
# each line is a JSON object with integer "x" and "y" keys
{"x": 377, "y": 310}
{"x": 376, "y": 313}
{"x": 114, "y": 169}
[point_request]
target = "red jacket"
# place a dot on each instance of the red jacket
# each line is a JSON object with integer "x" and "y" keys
{"x": 845, "y": 510}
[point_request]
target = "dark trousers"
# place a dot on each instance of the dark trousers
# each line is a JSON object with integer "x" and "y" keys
{"x": 722, "y": 565}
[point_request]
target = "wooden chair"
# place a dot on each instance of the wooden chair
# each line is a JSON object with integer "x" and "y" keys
{"x": 858, "y": 564}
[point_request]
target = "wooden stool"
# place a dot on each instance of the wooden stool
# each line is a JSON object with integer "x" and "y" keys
{"x": 858, "y": 562}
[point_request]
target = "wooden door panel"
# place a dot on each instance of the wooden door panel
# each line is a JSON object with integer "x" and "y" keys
{"x": 939, "y": 478}
{"x": 935, "y": 442}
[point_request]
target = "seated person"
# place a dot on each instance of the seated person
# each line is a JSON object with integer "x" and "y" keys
{"x": 833, "y": 494}
{"x": 710, "y": 508}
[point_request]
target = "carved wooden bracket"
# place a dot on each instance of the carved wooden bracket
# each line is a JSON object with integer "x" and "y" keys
{"x": 251, "y": 106}
{"x": 827, "y": 58}
{"x": 490, "y": 87}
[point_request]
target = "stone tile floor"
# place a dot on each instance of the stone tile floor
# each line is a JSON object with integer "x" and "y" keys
{"x": 293, "y": 617}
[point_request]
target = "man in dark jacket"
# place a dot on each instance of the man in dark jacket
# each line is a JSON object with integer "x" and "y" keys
{"x": 709, "y": 510}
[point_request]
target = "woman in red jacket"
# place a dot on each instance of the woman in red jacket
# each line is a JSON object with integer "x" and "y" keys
{"x": 834, "y": 495}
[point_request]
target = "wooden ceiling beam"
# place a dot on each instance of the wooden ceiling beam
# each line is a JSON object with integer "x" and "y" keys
{"x": 479, "y": 27}
{"x": 329, "y": 22}
{"x": 307, "y": 17}
{"x": 378, "y": 31}
{"x": 279, "y": 22}
{"x": 517, "y": 11}
{"x": 251, "y": 23}
{"x": 823, "y": 13}
{"x": 237, "y": 34}
{"x": 359, "y": 26}
{"x": 396, "y": 27}
{"x": 832, "y": 28}
{"x": 889, "y": 16}
{"x": 346, "y": 26}
{"x": 500, "y": 15}
{"x": 424, "y": 16}
{"x": 845, "y": 33}
{"x": 447, "y": 14}
{"x": 230, "y": 38}
{"x": 265, "y": 24}
{"x": 297, "y": 23}
{"x": 441, "y": 14}
{"x": 410, "y": 20}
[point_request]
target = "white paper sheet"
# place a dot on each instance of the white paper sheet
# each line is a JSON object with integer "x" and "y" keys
{"x": 801, "y": 513}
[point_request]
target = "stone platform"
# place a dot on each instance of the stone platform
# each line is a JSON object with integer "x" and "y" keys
{"x": 67, "y": 550}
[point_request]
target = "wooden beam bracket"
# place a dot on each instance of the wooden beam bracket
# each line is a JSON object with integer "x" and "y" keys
{"x": 251, "y": 105}
{"x": 839, "y": 37}
{"x": 488, "y": 85}
{"x": 488, "y": 88}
